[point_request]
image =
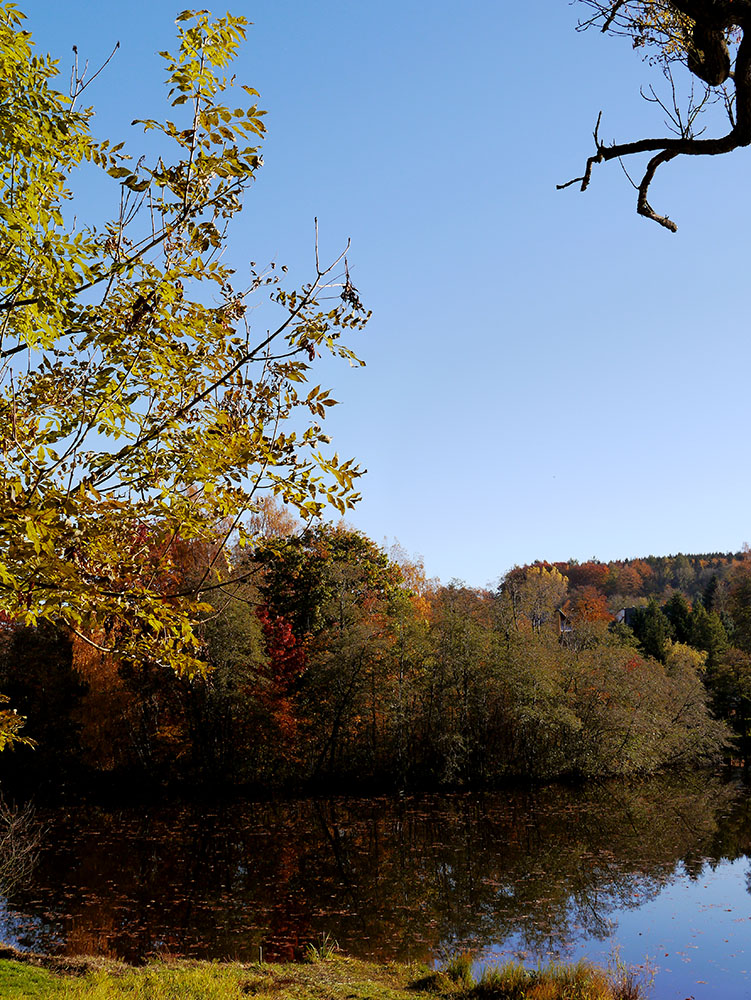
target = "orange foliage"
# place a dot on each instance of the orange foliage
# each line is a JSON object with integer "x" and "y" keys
{"x": 413, "y": 571}
{"x": 126, "y": 713}
{"x": 628, "y": 580}
{"x": 273, "y": 520}
{"x": 103, "y": 708}
{"x": 590, "y": 605}
{"x": 644, "y": 570}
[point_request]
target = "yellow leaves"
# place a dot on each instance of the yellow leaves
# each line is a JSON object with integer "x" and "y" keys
{"x": 144, "y": 414}
{"x": 681, "y": 657}
{"x": 6, "y": 578}
{"x": 33, "y": 535}
{"x": 318, "y": 400}
{"x": 11, "y": 724}
{"x": 654, "y": 23}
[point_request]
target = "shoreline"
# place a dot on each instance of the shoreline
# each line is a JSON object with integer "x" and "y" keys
{"x": 326, "y": 975}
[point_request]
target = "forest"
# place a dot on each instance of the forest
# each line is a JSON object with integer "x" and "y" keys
{"x": 331, "y": 662}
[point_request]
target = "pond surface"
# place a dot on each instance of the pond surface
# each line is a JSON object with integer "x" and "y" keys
{"x": 657, "y": 870}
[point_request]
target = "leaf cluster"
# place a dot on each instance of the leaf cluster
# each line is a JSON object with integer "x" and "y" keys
{"x": 138, "y": 405}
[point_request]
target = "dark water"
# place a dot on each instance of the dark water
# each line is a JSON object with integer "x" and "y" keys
{"x": 659, "y": 870}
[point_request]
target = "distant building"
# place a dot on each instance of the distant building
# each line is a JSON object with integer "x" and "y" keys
{"x": 565, "y": 625}
{"x": 627, "y": 616}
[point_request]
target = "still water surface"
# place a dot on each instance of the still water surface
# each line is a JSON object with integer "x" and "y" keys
{"x": 658, "y": 870}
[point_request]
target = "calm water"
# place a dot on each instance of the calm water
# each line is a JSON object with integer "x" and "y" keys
{"x": 658, "y": 870}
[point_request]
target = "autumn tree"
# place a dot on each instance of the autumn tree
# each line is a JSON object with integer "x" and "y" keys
{"x": 590, "y": 605}
{"x": 461, "y": 690}
{"x": 533, "y": 594}
{"x": 587, "y": 574}
{"x": 233, "y": 708}
{"x": 705, "y": 38}
{"x": 138, "y": 404}
{"x": 335, "y": 586}
{"x": 729, "y": 685}
{"x": 708, "y": 633}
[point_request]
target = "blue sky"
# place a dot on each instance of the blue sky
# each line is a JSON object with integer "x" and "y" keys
{"x": 548, "y": 375}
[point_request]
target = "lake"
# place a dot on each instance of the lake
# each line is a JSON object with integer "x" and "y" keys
{"x": 656, "y": 870}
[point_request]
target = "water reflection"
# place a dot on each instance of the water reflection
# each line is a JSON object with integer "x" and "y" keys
{"x": 386, "y": 878}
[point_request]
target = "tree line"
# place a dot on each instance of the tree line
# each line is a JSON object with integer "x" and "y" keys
{"x": 330, "y": 661}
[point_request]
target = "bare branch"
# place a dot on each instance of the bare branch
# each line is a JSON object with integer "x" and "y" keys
{"x": 78, "y": 83}
{"x": 698, "y": 31}
{"x": 642, "y": 205}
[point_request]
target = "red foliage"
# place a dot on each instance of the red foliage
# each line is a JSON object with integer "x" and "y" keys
{"x": 287, "y": 661}
{"x": 588, "y": 574}
{"x": 7, "y": 622}
{"x": 285, "y": 652}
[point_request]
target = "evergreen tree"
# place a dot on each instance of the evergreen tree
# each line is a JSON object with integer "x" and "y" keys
{"x": 653, "y": 630}
{"x": 678, "y": 612}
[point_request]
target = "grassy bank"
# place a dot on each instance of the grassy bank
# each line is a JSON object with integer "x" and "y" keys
{"x": 325, "y": 977}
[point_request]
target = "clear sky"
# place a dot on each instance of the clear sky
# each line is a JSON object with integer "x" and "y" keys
{"x": 548, "y": 375}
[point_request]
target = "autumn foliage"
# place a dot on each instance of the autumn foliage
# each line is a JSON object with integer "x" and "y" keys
{"x": 329, "y": 660}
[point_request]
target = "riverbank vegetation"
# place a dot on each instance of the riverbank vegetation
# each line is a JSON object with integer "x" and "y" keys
{"x": 329, "y": 978}
{"x": 333, "y": 662}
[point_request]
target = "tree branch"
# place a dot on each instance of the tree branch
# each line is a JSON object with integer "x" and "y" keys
{"x": 668, "y": 148}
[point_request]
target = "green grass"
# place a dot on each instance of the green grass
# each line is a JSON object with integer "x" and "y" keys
{"x": 328, "y": 977}
{"x": 574, "y": 982}
{"x": 323, "y": 951}
{"x": 512, "y": 981}
{"x": 19, "y": 981}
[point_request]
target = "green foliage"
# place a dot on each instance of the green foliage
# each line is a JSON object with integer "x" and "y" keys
{"x": 512, "y": 981}
{"x": 11, "y": 724}
{"x": 139, "y": 408}
{"x": 459, "y": 969}
{"x": 24, "y": 982}
{"x": 678, "y": 613}
{"x": 225, "y": 705}
{"x": 337, "y": 589}
{"x": 461, "y": 685}
{"x": 326, "y": 666}
{"x": 740, "y": 606}
{"x": 341, "y": 979}
{"x": 653, "y": 630}
{"x": 707, "y": 633}
{"x": 323, "y": 951}
{"x": 729, "y": 685}
{"x": 314, "y": 576}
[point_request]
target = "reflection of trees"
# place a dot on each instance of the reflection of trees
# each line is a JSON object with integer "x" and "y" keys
{"x": 389, "y": 878}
